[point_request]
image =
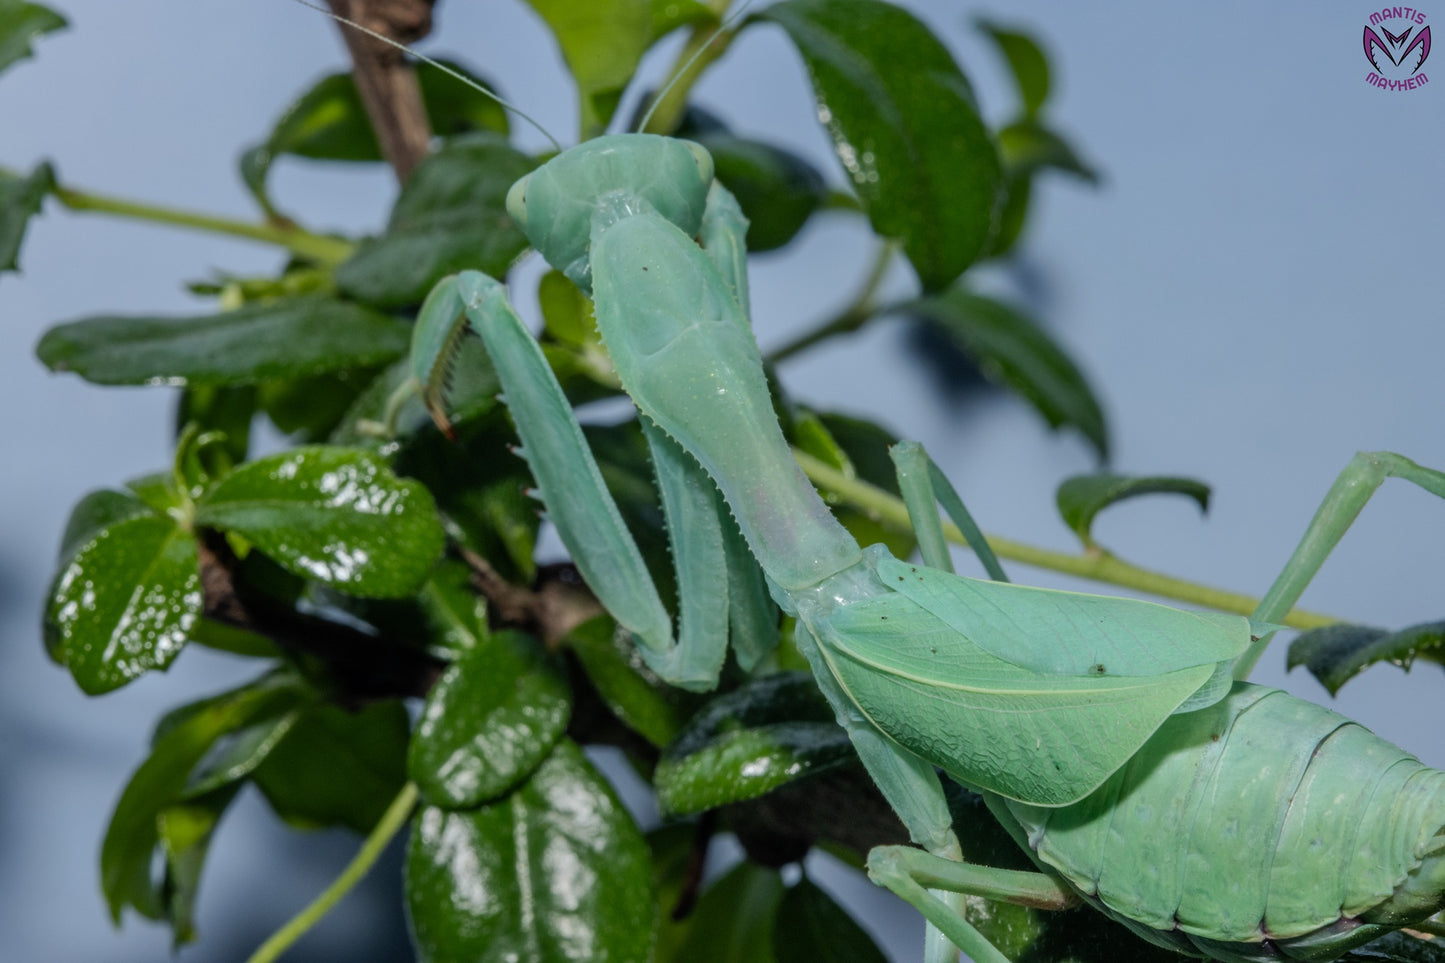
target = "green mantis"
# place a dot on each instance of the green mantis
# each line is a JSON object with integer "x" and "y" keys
{"x": 1109, "y": 736}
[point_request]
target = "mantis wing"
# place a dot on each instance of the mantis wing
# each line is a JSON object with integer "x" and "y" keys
{"x": 1040, "y": 738}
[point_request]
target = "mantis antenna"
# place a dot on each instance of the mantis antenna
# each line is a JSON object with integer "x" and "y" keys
{"x": 457, "y": 75}
{"x": 677, "y": 75}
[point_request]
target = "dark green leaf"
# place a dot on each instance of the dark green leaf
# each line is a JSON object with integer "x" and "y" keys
{"x": 602, "y": 42}
{"x": 1014, "y": 351}
{"x": 1018, "y": 190}
{"x": 1027, "y": 62}
{"x": 777, "y": 189}
{"x": 865, "y": 446}
{"x": 125, "y": 602}
{"x": 453, "y": 611}
{"x": 225, "y": 409}
{"x": 554, "y": 871}
{"x": 674, "y": 850}
{"x": 812, "y": 928}
{"x": 337, "y": 515}
{"x": 20, "y": 200}
{"x": 1081, "y": 497}
{"x": 185, "y": 831}
{"x": 734, "y": 919}
{"x": 158, "y": 491}
{"x": 451, "y": 216}
{"x": 634, "y": 694}
{"x": 905, "y": 125}
{"x": 480, "y": 489}
{"x": 182, "y": 739}
{"x": 95, "y": 511}
{"x": 311, "y": 408}
{"x": 566, "y": 312}
{"x": 489, "y": 722}
{"x": 20, "y": 23}
{"x": 766, "y": 734}
{"x": 1398, "y": 947}
{"x": 1336, "y": 654}
{"x": 236, "y": 754}
{"x": 1028, "y": 146}
{"x": 283, "y": 339}
{"x": 328, "y": 121}
{"x": 337, "y": 768}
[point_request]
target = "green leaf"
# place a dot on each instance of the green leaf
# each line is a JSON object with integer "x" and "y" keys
{"x": 183, "y": 738}
{"x": 602, "y": 42}
{"x": 1335, "y": 654}
{"x": 765, "y": 734}
{"x": 98, "y": 510}
{"x": 1026, "y": 60}
{"x": 337, "y": 515}
{"x": 734, "y": 919}
{"x": 777, "y": 189}
{"x": 1015, "y": 352}
{"x": 20, "y": 23}
{"x": 451, "y": 216}
{"x": 329, "y": 122}
{"x": 554, "y": 871}
{"x": 455, "y": 614}
{"x": 567, "y": 314}
{"x": 337, "y": 768}
{"x": 903, "y": 120}
{"x": 489, "y": 722}
{"x": 1028, "y": 147}
{"x": 812, "y": 928}
{"x": 1081, "y": 497}
{"x": 480, "y": 489}
{"x": 668, "y": 15}
{"x": 645, "y": 704}
{"x": 125, "y": 601}
{"x": 226, "y": 409}
{"x": 865, "y": 446}
{"x": 283, "y": 339}
{"x": 1397, "y": 947}
{"x": 20, "y": 200}
{"x": 185, "y": 832}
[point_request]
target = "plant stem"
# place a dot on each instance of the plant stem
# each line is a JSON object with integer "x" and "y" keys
{"x": 390, "y": 823}
{"x": 326, "y": 250}
{"x": 705, "y": 44}
{"x": 1099, "y": 566}
{"x": 851, "y": 318}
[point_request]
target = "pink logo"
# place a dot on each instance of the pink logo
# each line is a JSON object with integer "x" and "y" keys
{"x": 1397, "y": 59}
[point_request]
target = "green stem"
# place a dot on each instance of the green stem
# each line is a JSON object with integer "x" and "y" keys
{"x": 388, "y": 826}
{"x": 1099, "y": 566}
{"x": 851, "y": 318}
{"x": 327, "y": 250}
{"x": 705, "y": 44}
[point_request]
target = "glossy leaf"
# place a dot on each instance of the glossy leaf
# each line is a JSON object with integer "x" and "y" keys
{"x": 1397, "y": 947}
{"x": 182, "y": 740}
{"x": 765, "y": 734}
{"x": 20, "y": 200}
{"x": 554, "y": 871}
{"x": 1081, "y": 497}
{"x": 1014, "y": 351}
{"x": 329, "y": 122}
{"x": 337, "y": 768}
{"x": 493, "y": 717}
{"x": 96, "y": 511}
{"x": 125, "y": 602}
{"x": 336, "y": 515}
{"x": 777, "y": 189}
{"x": 632, "y": 692}
{"x": 812, "y": 928}
{"x": 602, "y": 42}
{"x": 1335, "y": 654}
{"x": 451, "y": 215}
{"x": 1026, "y": 60}
{"x": 906, "y": 128}
{"x": 20, "y": 23}
{"x": 733, "y": 921}
{"x": 282, "y": 339}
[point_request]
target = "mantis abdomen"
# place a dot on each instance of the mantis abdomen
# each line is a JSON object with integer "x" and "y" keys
{"x": 1261, "y": 828}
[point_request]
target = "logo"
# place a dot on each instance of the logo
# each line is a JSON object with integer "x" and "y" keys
{"x": 1397, "y": 50}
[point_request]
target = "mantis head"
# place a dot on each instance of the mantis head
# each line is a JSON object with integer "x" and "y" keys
{"x": 554, "y": 205}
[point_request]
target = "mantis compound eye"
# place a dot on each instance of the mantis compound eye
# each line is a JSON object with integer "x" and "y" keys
{"x": 517, "y": 203}
{"x": 704, "y": 161}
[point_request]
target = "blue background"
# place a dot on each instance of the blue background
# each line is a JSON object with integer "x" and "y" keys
{"x": 1255, "y": 293}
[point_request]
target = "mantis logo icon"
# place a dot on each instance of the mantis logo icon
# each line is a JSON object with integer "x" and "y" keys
{"x": 1398, "y": 50}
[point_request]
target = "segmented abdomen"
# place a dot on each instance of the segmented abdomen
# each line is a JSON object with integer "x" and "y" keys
{"x": 1261, "y": 828}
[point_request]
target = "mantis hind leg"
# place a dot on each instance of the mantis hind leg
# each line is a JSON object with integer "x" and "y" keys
{"x": 1365, "y": 473}
{"x": 922, "y": 484}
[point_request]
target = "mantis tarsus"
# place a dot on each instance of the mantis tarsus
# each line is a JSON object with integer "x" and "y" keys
{"x": 1067, "y": 711}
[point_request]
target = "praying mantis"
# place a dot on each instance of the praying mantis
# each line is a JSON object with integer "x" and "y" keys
{"x": 1112, "y": 738}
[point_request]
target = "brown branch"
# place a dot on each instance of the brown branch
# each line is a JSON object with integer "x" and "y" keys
{"x": 385, "y": 79}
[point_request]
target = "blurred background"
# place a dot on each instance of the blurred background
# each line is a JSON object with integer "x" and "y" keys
{"x": 1254, "y": 291}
